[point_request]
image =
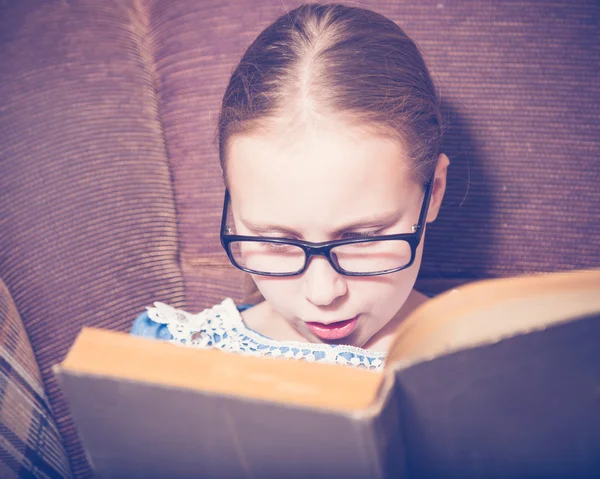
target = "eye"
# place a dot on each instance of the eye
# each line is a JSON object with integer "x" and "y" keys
{"x": 360, "y": 234}
{"x": 276, "y": 234}
{"x": 277, "y": 247}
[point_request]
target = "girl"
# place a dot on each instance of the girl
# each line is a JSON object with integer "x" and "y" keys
{"x": 329, "y": 138}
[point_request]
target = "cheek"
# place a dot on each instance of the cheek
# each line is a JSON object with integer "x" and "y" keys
{"x": 381, "y": 292}
{"x": 279, "y": 292}
{"x": 384, "y": 295}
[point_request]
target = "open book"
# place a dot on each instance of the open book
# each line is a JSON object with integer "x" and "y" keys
{"x": 499, "y": 378}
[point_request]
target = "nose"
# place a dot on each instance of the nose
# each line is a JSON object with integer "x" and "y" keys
{"x": 322, "y": 284}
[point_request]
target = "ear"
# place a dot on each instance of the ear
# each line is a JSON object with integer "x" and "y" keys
{"x": 439, "y": 187}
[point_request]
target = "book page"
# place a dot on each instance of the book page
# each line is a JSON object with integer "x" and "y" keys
{"x": 491, "y": 310}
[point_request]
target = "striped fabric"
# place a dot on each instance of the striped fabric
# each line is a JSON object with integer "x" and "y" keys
{"x": 30, "y": 444}
{"x": 88, "y": 228}
{"x": 519, "y": 85}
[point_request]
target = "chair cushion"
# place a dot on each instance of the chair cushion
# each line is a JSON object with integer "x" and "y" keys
{"x": 520, "y": 91}
{"x": 88, "y": 228}
{"x": 30, "y": 444}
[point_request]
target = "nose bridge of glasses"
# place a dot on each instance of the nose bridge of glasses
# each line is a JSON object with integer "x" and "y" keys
{"x": 323, "y": 251}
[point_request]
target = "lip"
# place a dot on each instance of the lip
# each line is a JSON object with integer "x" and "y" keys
{"x": 337, "y": 330}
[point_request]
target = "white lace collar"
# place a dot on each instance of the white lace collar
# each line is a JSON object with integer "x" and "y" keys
{"x": 222, "y": 326}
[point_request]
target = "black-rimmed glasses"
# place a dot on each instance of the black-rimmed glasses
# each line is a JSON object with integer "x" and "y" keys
{"x": 362, "y": 256}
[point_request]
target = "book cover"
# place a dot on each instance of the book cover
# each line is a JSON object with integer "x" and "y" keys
{"x": 499, "y": 378}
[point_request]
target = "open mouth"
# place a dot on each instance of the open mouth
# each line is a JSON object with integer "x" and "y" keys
{"x": 331, "y": 331}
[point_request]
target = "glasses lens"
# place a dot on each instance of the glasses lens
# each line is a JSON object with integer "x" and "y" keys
{"x": 267, "y": 257}
{"x": 372, "y": 256}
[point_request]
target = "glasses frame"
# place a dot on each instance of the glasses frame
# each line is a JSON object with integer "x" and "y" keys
{"x": 324, "y": 248}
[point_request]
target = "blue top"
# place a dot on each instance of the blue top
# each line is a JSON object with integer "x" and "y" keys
{"x": 222, "y": 327}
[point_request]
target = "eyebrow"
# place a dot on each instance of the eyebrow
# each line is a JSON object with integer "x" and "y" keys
{"x": 379, "y": 221}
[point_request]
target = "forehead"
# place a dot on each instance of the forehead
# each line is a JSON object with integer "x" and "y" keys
{"x": 330, "y": 170}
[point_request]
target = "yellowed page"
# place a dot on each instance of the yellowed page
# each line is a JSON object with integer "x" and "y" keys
{"x": 491, "y": 310}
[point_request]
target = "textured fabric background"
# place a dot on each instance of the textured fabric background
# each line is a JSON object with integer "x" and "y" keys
{"x": 88, "y": 232}
{"x": 102, "y": 104}
{"x": 30, "y": 444}
{"x": 519, "y": 83}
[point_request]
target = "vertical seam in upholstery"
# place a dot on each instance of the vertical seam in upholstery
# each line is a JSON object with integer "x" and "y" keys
{"x": 140, "y": 23}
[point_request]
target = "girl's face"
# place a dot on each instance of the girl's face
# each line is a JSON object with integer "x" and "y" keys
{"x": 318, "y": 183}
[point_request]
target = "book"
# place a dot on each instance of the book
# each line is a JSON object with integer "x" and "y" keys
{"x": 497, "y": 378}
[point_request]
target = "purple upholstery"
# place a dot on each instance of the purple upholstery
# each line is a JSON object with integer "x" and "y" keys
{"x": 88, "y": 231}
{"x": 110, "y": 189}
{"x": 519, "y": 86}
